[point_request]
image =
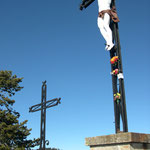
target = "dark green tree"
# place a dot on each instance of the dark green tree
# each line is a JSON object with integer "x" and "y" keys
{"x": 13, "y": 134}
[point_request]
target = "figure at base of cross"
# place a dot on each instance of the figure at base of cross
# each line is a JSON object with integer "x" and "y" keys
{"x": 105, "y": 14}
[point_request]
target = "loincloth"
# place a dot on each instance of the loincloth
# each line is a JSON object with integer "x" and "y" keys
{"x": 112, "y": 12}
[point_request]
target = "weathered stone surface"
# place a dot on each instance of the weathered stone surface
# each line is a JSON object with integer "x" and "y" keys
{"x": 133, "y": 146}
{"x": 127, "y": 137}
{"x": 112, "y": 147}
{"x": 120, "y": 141}
{"x": 140, "y": 146}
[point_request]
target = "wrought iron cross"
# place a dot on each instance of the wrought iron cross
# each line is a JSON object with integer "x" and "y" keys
{"x": 43, "y": 106}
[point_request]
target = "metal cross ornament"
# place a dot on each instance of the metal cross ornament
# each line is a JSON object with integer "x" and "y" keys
{"x": 43, "y": 106}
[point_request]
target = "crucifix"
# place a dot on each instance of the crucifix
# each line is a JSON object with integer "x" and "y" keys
{"x": 43, "y": 106}
{"x": 108, "y": 25}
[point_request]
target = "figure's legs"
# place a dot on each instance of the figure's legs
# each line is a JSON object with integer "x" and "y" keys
{"x": 108, "y": 30}
{"x": 105, "y": 30}
{"x": 100, "y": 23}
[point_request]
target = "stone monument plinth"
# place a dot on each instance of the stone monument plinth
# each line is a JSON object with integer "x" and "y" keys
{"x": 120, "y": 141}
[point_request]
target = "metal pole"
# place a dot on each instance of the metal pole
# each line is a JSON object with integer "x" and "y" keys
{"x": 44, "y": 116}
{"x": 41, "y": 131}
{"x": 121, "y": 83}
{"x": 120, "y": 108}
{"x": 114, "y": 85}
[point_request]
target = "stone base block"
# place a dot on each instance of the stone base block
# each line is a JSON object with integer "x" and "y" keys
{"x": 120, "y": 141}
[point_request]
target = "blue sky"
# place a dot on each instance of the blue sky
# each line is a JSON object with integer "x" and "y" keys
{"x": 54, "y": 41}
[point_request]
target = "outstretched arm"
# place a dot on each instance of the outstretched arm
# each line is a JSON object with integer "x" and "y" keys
{"x": 85, "y": 3}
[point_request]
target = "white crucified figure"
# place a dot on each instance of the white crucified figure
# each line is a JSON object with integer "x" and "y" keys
{"x": 105, "y": 14}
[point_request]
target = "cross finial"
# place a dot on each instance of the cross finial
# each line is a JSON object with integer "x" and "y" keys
{"x": 44, "y": 82}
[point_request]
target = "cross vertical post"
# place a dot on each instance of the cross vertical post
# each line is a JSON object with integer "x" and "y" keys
{"x": 118, "y": 81}
{"x": 43, "y": 116}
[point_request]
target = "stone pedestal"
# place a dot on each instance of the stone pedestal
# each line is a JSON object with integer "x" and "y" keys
{"x": 120, "y": 141}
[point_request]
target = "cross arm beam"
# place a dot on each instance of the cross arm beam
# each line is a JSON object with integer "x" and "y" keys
{"x": 85, "y": 3}
{"x": 48, "y": 104}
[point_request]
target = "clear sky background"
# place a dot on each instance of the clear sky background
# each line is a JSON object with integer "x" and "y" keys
{"x": 54, "y": 41}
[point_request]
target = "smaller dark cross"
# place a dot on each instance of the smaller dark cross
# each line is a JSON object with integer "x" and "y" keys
{"x": 42, "y": 106}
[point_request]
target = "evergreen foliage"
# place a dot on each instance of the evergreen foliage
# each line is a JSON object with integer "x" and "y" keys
{"x": 13, "y": 135}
